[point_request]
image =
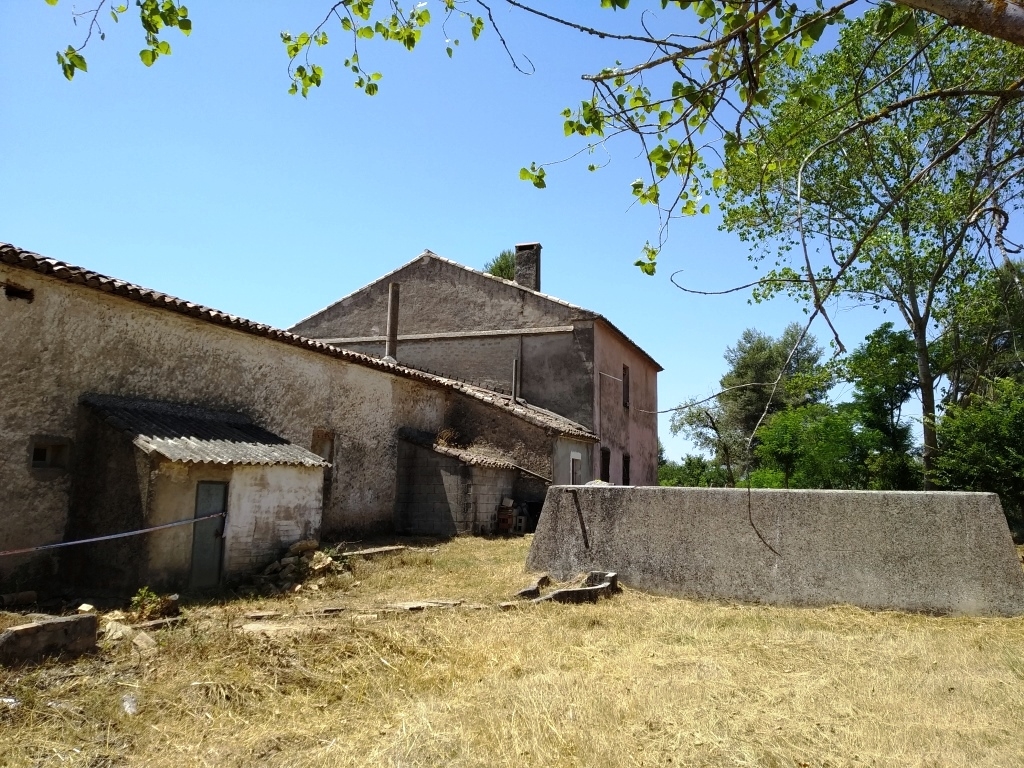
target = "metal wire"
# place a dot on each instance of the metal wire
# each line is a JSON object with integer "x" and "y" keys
{"x": 139, "y": 532}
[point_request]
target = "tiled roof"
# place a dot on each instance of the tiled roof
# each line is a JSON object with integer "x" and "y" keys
{"x": 191, "y": 434}
{"x": 465, "y": 455}
{"x": 14, "y": 256}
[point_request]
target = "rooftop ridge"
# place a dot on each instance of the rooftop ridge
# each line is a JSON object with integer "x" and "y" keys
{"x": 69, "y": 273}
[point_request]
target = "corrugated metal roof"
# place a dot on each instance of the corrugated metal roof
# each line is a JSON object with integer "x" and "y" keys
{"x": 191, "y": 434}
{"x": 18, "y": 257}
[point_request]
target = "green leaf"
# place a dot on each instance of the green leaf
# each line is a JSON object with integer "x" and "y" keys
{"x": 148, "y": 56}
{"x": 365, "y": 32}
{"x": 51, "y": 2}
{"x": 909, "y": 26}
{"x": 164, "y": 47}
{"x": 77, "y": 62}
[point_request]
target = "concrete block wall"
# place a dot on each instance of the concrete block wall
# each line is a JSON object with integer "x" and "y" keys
{"x": 432, "y": 492}
{"x": 937, "y": 552}
{"x": 442, "y": 496}
{"x": 490, "y": 486}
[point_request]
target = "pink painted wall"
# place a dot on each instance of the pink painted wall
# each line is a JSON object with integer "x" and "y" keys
{"x": 631, "y": 431}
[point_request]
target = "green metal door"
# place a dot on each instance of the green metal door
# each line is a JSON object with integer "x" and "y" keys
{"x": 207, "y": 535}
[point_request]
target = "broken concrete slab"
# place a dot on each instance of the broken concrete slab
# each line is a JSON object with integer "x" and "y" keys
{"x": 145, "y": 643}
{"x": 328, "y": 610}
{"x": 268, "y": 629}
{"x": 599, "y": 578}
{"x": 60, "y": 635}
{"x": 170, "y": 621}
{"x": 374, "y": 551}
{"x": 263, "y": 615}
{"x": 585, "y": 594}
{"x": 420, "y": 605}
{"x": 533, "y": 591}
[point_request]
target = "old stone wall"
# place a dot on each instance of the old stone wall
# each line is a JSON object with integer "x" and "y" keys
{"x": 268, "y": 508}
{"x": 944, "y": 552}
{"x": 172, "y": 497}
{"x": 436, "y": 296}
{"x": 72, "y": 339}
{"x": 440, "y": 495}
{"x": 555, "y": 369}
{"x": 64, "y": 636}
{"x": 565, "y": 450}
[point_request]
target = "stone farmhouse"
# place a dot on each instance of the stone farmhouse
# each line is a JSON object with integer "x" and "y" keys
{"x": 123, "y": 409}
{"x": 507, "y": 336}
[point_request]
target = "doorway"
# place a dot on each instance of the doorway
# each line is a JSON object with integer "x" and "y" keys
{"x": 208, "y": 535}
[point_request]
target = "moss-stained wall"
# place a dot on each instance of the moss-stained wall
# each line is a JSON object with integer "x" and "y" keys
{"x": 72, "y": 339}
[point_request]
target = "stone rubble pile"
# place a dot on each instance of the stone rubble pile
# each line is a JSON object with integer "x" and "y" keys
{"x": 304, "y": 566}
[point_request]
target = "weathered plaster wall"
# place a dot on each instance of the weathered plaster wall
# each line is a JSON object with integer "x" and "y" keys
{"x": 269, "y": 507}
{"x": 440, "y": 495}
{"x": 436, "y": 295}
{"x": 632, "y": 430}
{"x": 168, "y": 561}
{"x": 71, "y": 339}
{"x": 557, "y": 373}
{"x": 564, "y": 449}
{"x": 555, "y": 368}
{"x": 946, "y": 552}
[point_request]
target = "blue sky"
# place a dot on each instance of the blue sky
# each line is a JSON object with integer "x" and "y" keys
{"x": 201, "y": 177}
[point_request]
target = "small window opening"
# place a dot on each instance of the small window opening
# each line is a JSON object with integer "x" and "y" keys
{"x": 625, "y": 386}
{"x": 575, "y": 467}
{"x": 606, "y": 465}
{"x": 49, "y": 455}
{"x": 14, "y": 292}
{"x": 625, "y": 469}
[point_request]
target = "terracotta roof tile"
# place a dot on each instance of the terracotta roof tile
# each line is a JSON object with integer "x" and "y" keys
{"x": 17, "y": 257}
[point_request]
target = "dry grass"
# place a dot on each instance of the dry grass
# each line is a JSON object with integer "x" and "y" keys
{"x": 636, "y": 680}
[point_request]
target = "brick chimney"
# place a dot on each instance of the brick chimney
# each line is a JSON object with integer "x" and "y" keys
{"x": 528, "y": 265}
